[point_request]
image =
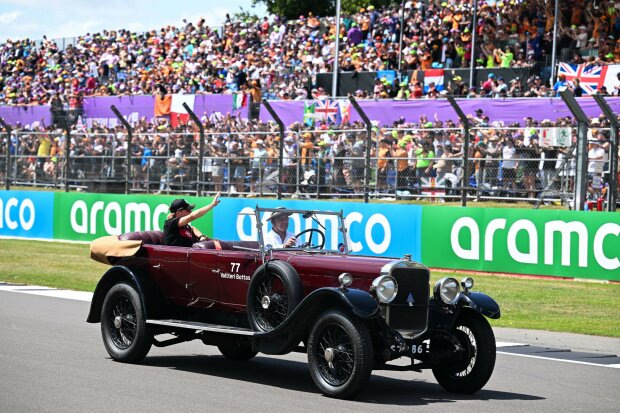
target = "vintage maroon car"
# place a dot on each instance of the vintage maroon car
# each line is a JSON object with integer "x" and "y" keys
{"x": 350, "y": 314}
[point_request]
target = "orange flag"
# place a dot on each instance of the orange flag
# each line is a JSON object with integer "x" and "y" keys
{"x": 162, "y": 105}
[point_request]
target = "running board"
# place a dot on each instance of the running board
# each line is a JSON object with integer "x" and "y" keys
{"x": 194, "y": 325}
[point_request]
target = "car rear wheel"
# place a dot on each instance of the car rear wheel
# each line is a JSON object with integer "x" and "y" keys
{"x": 274, "y": 292}
{"x": 340, "y": 354}
{"x": 237, "y": 352}
{"x": 126, "y": 336}
{"x": 473, "y": 369}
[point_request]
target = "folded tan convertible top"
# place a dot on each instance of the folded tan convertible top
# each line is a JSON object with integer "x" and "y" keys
{"x": 106, "y": 249}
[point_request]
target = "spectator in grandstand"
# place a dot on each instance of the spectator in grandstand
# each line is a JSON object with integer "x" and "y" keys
{"x": 259, "y": 159}
{"x": 560, "y": 85}
{"x": 509, "y": 163}
{"x": 576, "y": 88}
{"x": 528, "y": 153}
{"x": 383, "y": 163}
{"x": 487, "y": 85}
{"x": 515, "y": 88}
{"x": 500, "y": 89}
{"x": 456, "y": 87}
{"x": 596, "y": 162}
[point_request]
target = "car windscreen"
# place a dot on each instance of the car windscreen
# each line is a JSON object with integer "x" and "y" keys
{"x": 315, "y": 230}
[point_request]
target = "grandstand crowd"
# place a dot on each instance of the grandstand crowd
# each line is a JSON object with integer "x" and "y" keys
{"x": 282, "y": 57}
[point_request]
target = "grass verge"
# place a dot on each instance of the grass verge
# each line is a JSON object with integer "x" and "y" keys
{"x": 554, "y": 305}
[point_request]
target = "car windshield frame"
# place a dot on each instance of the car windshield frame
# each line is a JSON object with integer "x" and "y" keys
{"x": 262, "y": 216}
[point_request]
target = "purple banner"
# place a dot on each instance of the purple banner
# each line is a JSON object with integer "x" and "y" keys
{"x": 217, "y": 105}
{"x": 135, "y": 107}
{"x": 97, "y": 109}
{"x": 385, "y": 112}
{"x": 505, "y": 110}
{"x": 27, "y": 115}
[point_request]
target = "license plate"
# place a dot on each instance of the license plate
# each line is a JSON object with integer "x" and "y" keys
{"x": 417, "y": 349}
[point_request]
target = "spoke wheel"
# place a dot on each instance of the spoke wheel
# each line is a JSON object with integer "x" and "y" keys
{"x": 340, "y": 354}
{"x": 125, "y": 334}
{"x": 475, "y": 365}
{"x": 274, "y": 292}
{"x": 122, "y": 323}
{"x": 270, "y": 302}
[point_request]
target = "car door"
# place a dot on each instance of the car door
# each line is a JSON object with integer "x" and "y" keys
{"x": 204, "y": 276}
{"x": 170, "y": 273}
{"x": 235, "y": 271}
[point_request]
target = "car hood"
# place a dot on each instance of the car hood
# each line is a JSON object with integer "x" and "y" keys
{"x": 332, "y": 265}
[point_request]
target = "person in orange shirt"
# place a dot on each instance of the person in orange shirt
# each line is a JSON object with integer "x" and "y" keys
{"x": 307, "y": 151}
{"x": 402, "y": 164}
{"x": 383, "y": 161}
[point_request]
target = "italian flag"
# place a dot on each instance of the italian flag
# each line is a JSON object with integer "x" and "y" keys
{"x": 240, "y": 100}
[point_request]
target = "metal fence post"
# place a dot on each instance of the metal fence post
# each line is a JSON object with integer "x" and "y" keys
{"x": 613, "y": 152}
{"x": 581, "y": 185}
{"x": 368, "y": 124}
{"x": 9, "y": 130}
{"x": 67, "y": 131}
{"x": 201, "y": 147}
{"x": 129, "y": 142}
{"x": 275, "y": 116}
{"x": 466, "y": 126}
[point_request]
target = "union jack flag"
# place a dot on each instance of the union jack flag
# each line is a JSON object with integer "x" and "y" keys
{"x": 432, "y": 187}
{"x": 326, "y": 110}
{"x": 591, "y": 77}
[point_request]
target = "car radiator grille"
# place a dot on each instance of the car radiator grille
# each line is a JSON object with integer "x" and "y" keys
{"x": 408, "y": 312}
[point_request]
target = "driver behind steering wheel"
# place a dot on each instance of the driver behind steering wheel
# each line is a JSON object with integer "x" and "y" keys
{"x": 279, "y": 236}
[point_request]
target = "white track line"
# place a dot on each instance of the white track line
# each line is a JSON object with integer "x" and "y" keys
{"x": 612, "y": 366}
{"x": 48, "y": 292}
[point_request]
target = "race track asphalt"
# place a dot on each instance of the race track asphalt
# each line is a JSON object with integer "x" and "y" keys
{"x": 51, "y": 360}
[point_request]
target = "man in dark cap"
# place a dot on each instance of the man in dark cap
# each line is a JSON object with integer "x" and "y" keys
{"x": 177, "y": 229}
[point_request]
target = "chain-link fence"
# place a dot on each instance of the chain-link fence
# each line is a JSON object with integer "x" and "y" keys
{"x": 501, "y": 165}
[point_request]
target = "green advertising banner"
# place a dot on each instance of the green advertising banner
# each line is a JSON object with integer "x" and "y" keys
{"x": 557, "y": 243}
{"x": 84, "y": 217}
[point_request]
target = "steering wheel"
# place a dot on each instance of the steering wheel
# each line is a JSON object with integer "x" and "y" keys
{"x": 309, "y": 242}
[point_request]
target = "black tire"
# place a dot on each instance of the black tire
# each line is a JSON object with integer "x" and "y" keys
{"x": 274, "y": 292}
{"x": 340, "y": 354}
{"x": 126, "y": 336}
{"x": 237, "y": 352}
{"x": 474, "y": 369}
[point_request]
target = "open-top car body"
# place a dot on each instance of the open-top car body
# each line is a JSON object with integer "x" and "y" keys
{"x": 350, "y": 314}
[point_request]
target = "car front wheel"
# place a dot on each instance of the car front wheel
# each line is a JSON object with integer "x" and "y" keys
{"x": 274, "y": 292}
{"x": 340, "y": 354}
{"x": 126, "y": 336}
{"x": 471, "y": 371}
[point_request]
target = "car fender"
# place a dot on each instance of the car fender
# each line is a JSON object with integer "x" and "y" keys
{"x": 359, "y": 302}
{"x": 114, "y": 275}
{"x": 296, "y": 327}
{"x": 481, "y": 303}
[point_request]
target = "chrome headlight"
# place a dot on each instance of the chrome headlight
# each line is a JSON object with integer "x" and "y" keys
{"x": 467, "y": 283}
{"x": 385, "y": 287}
{"x": 447, "y": 290}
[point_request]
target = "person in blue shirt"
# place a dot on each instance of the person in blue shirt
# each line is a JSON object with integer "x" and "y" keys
{"x": 560, "y": 85}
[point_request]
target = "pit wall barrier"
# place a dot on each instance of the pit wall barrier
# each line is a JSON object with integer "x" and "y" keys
{"x": 553, "y": 243}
